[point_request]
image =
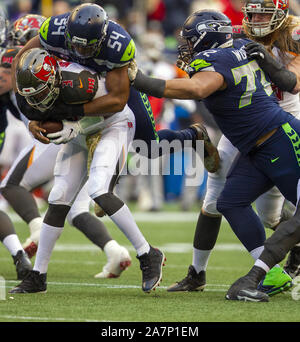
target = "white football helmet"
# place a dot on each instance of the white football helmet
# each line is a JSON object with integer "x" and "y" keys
{"x": 278, "y": 9}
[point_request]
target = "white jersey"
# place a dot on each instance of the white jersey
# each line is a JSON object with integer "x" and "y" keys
{"x": 287, "y": 101}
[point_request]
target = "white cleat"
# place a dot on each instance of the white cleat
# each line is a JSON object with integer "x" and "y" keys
{"x": 118, "y": 260}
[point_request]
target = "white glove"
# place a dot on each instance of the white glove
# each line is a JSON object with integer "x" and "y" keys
{"x": 70, "y": 131}
{"x": 132, "y": 71}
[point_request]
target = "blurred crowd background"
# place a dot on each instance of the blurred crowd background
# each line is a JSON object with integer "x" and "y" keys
{"x": 155, "y": 26}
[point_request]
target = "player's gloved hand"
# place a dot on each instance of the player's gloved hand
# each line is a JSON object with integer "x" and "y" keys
{"x": 70, "y": 131}
{"x": 257, "y": 51}
{"x": 132, "y": 71}
{"x": 181, "y": 64}
{"x": 283, "y": 78}
{"x": 63, "y": 111}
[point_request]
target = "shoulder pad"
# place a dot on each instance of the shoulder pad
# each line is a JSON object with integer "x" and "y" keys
{"x": 53, "y": 27}
{"x": 78, "y": 88}
{"x": 7, "y": 56}
{"x": 119, "y": 44}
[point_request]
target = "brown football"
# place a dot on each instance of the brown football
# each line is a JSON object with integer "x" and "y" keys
{"x": 52, "y": 126}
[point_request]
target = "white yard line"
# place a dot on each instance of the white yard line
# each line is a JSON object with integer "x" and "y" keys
{"x": 30, "y": 318}
{"x": 167, "y": 248}
{"x": 164, "y": 216}
{"x": 119, "y": 286}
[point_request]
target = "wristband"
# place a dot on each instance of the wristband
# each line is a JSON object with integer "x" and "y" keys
{"x": 149, "y": 85}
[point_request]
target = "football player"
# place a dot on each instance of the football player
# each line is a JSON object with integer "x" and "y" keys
{"x": 276, "y": 42}
{"x": 237, "y": 92}
{"x": 86, "y": 36}
{"x": 268, "y": 22}
{"x": 41, "y": 80}
{"x": 34, "y": 167}
{"x": 8, "y": 234}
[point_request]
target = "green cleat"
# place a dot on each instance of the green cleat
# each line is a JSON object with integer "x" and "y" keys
{"x": 275, "y": 281}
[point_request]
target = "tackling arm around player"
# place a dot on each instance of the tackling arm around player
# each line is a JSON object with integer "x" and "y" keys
{"x": 117, "y": 82}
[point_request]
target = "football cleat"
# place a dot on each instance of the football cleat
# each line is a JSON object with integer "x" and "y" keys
{"x": 292, "y": 266}
{"x": 192, "y": 282}
{"x": 211, "y": 154}
{"x": 151, "y": 264}
{"x": 34, "y": 282}
{"x": 23, "y": 264}
{"x": 245, "y": 288}
{"x": 118, "y": 261}
{"x": 275, "y": 281}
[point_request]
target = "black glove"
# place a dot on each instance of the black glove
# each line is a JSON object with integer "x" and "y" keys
{"x": 63, "y": 111}
{"x": 283, "y": 78}
{"x": 257, "y": 51}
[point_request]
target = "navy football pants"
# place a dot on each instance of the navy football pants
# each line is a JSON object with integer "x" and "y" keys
{"x": 275, "y": 162}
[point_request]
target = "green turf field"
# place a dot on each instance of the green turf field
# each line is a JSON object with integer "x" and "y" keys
{"x": 74, "y": 295}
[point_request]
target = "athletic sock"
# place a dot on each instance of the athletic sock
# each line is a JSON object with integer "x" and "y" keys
{"x": 259, "y": 263}
{"x": 48, "y": 237}
{"x": 256, "y": 254}
{"x": 12, "y": 243}
{"x": 125, "y": 221}
{"x": 200, "y": 259}
{"x": 206, "y": 233}
{"x": 35, "y": 226}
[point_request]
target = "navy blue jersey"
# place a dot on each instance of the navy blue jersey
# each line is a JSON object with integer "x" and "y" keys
{"x": 247, "y": 108}
{"x": 117, "y": 50}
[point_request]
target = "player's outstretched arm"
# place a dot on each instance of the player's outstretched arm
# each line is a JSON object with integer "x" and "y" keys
{"x": 201, "y": 85}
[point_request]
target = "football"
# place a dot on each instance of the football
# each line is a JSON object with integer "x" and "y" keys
{"x": 52, "y": 126}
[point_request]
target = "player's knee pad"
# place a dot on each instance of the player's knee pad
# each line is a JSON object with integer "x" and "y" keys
{"x": 56, "y": 215}
{"x": 109, "y": 202}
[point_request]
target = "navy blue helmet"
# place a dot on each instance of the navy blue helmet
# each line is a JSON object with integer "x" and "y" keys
{"x": 85, "y": 30}
{"x": 204, "y": 30}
